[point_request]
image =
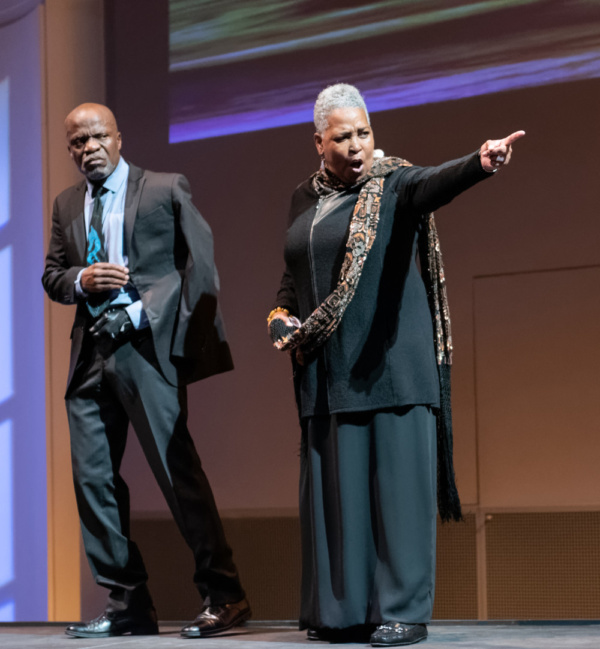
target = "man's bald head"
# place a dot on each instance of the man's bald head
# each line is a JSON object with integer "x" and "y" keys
{"x": 93, "y": 140}
{"x": 84, "y": 111}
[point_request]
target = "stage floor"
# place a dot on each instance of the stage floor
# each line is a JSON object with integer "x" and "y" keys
{"x": 258, "y": 635}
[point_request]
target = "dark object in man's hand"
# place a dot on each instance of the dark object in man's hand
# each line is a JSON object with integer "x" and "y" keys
{"x": 278, "y": 329}
{"x": 111, "y": 329}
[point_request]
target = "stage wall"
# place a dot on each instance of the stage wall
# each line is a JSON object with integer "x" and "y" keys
{"x": 522, "y": 262}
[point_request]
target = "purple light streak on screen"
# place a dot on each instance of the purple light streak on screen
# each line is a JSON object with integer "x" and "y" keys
{"x": 456, "y": 86}
{"x": 344, "y": 35}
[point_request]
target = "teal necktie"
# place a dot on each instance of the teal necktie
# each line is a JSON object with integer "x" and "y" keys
{"x": 96, "y": 249}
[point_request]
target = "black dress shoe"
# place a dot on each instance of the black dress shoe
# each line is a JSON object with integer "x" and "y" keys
{"x": 359, "y": 633}
{"x": 216, "y": 619}
{"x": 396, "y": 634}
{"x": 113, "y": 624}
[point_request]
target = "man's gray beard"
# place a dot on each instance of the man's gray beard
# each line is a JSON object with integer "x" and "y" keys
{"x": 99, "y": 174}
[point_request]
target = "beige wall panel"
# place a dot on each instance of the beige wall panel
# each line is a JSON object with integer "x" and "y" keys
{"x": 538, "y": 213}
{"x": 536, "y": 359}
{"x": 74, "y": 73}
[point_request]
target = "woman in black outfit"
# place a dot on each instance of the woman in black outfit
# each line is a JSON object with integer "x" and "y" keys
{"x": 371, "y": 373}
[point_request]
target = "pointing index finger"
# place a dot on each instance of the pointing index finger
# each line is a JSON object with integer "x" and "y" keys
{"x": 513, "y": 137}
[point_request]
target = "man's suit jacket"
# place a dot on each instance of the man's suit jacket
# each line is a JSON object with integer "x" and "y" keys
{"x": 171, "y": 264}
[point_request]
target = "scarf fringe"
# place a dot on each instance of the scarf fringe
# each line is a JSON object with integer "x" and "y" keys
{"x": 449, "y": 506}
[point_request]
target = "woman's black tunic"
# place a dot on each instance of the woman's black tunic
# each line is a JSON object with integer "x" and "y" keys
{"x": 382, "y": 354}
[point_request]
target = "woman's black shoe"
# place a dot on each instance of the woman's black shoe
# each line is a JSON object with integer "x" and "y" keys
{"x": 396, "y": 634}
{"x": 359, "y": 633}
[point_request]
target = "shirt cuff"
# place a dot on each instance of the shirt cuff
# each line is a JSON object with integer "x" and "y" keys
{"x": 137, "y": 315}
{"x": 79, "y": 292}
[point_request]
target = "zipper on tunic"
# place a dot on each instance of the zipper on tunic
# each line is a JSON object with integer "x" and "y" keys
{"x": 311, "y": 260}
{"x": 313, "y": 276}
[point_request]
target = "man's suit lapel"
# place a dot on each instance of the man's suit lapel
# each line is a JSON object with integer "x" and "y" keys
{"x": 135, "y": 184}
{"x": 78, "y": 222}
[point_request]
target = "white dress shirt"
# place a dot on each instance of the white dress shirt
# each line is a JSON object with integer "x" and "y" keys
{"x": 113, "y": 214}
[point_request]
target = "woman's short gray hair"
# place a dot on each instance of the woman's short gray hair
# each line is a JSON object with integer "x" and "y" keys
{"x": 341, "y": 95}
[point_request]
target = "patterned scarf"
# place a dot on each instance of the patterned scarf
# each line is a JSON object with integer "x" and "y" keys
{"x": 325, "y": 319}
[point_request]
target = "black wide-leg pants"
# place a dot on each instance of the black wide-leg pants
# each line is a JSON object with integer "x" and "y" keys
{"x": 368, "y": 517}
{"x": 106, "y": 394}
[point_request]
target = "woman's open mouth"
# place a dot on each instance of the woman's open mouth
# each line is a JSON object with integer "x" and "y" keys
{"x": 357, "y": 165}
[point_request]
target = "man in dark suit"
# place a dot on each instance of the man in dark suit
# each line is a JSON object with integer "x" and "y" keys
{"x": 132, "y": 252}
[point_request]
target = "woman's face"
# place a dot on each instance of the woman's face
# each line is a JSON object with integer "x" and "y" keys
{"x": 347, "y": 144}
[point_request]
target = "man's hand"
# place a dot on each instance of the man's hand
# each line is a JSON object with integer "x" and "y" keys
{"x": 103, "y": 277}
{"x": 110, "y": 330}
{"x": 495, "y": 153}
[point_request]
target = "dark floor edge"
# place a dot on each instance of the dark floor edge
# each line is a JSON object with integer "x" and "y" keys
{"x": 293, "y": 624}
{"x": 569, "y": 622}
